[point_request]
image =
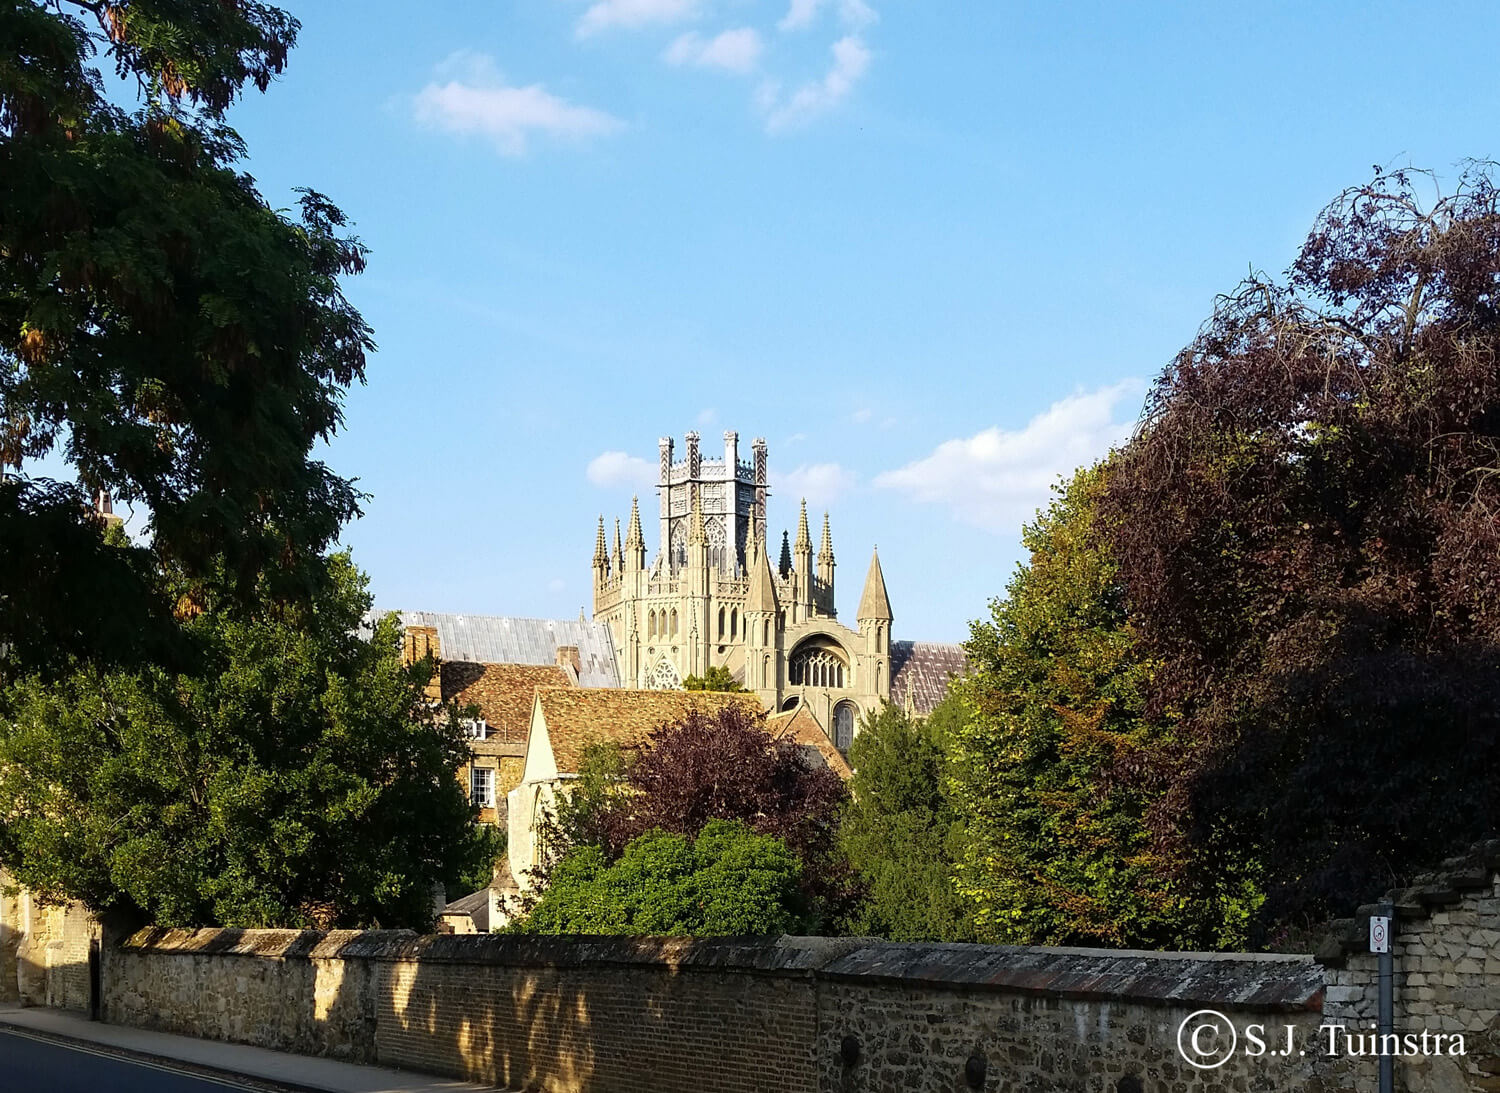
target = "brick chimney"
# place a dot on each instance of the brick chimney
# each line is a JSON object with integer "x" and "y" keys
{"x": 568, "y": 660}
{"x": 421, "y": 642}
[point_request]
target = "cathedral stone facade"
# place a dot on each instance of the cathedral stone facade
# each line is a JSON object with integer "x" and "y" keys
{"x": 713, "y": 598}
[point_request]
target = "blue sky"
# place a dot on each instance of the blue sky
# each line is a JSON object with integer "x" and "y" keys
{"x": 932, "y": 252}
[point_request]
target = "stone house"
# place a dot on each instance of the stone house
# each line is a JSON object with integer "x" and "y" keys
{"x": 491, "y": 667}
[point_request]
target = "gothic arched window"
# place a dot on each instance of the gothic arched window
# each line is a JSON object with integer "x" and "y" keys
{"x": 674, "y": 622}
{"x": 816, "y": 666}
{"x": 843, "y": 725}
{"x": 721, "y": 624}
{"x": 734, "y": 623}
{"x": 650, "y": 624}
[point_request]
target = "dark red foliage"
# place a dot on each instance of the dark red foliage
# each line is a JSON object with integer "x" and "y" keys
{"x": 1308, "y": 528}
{"x": 725, "y": 766}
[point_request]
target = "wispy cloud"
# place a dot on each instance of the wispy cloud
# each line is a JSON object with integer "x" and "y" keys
{"x": 610, "y": 469}
{"x": 476, "y": 100}
{"x": 998, "y": 478}
{"x": 630, "y": 14}
{"x": 851, "y": 59}
{"x": 802, "y": 13}
{"x": 736, "y": 50}
{"x": 819, "y": 483}
{"x": 707, "y": 416}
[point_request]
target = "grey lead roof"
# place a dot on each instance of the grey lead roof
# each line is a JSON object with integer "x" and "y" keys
{"x": 920, "y": 671}
{"x": 501, "y": 639}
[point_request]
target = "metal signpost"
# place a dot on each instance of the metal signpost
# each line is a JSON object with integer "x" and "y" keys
{"x": 1380, "y": 944}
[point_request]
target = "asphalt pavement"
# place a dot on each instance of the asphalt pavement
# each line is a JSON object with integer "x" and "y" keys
{"x": 29, "y": 1064}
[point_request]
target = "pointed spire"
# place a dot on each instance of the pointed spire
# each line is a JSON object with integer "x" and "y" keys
{"x": 825, "y": 551}
{"x": 601, "y": 556}
{"x": 634, "y": 537}
{"x": 786, "y": 554}
{"x": 873, "y": 602}
{"x": 618, "y": 557}
{"x": 762, "y": 592}
{"x": 696, "y": 534}
{"x": 804, "y": 540}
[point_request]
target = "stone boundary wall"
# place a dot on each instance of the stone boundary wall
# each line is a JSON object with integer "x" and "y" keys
{"x": 794, "y": 1015}
{"x": 44, "y": 950}
{"x": 1446, "y": 949}
{"x": 302, "y": 991}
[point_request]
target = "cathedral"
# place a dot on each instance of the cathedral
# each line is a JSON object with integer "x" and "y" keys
{"x": 714, "y": 598}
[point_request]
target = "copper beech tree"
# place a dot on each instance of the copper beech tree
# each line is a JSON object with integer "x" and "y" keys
{"x": 1307, "y": 530}
{"x": 719, "y": 766}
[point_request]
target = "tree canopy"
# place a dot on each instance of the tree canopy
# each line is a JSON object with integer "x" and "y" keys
{"x": 1053, "y": 770}
{"x": 296, "y": 778}
{"x": 1308, "y": 528}
{"x": 901, "y": 831}
{"x": 177, "y": 340}
{"x": 712, "y": 766}
{"x": 715, "y": 678}
{"x": 725, "y": 881}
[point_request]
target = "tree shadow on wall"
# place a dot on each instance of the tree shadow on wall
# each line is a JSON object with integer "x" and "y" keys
{"x": 591, "y": 1013}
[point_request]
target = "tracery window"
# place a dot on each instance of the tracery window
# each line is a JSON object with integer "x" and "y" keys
{"x": 816, "y": 666}
{"x": 664, "y": 677}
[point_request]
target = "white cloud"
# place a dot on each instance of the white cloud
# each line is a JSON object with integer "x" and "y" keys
{"x": 802, "y": 13}
{"x": 862, "y": 415}
{"x": 610, "y": 469}
{"x": 820, "y": 483}
{"x": 997, "y": 479}
{"x": 630, "y": 14}
{"x": 708, "y": 416}
{"x": 851, "y": 59}
{"x": 475, "y": 100}
{"x": 734, "y": 50}
{"x": 557, "y": 584}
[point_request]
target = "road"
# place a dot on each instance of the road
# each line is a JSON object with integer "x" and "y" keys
{"x": 30, "y": 1065}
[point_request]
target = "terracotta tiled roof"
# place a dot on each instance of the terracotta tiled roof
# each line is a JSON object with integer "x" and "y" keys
{"x": 579, "y": 716}
{"x": 503, "y": 693}
{"x": 802, "y": 725}
{"x": 920, "y": 671}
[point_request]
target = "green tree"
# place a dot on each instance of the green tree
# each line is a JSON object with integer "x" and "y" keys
{"x": 727, "y": 881}
{"x": 901, "y": 832}
{"x": 294, "y": 778}
{"x": 178, "y": 341}
{"x": 1050, "y": 773}
{"x": 716, "y": 678}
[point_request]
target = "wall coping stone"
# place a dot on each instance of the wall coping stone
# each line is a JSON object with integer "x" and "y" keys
{"x": 1253, "y": 981}
{"x": 782, "y": 955}
{"x": 1268, "y": 982}
{"x": 278, "y": 944}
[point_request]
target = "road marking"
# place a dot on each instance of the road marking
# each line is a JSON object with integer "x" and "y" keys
{"x": 71, "y": 1045}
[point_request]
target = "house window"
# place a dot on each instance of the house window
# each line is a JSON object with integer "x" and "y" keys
{"x": 482, "y": 786}
{"x": 843, "y": 725}
{"x": 475, "y": 728}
